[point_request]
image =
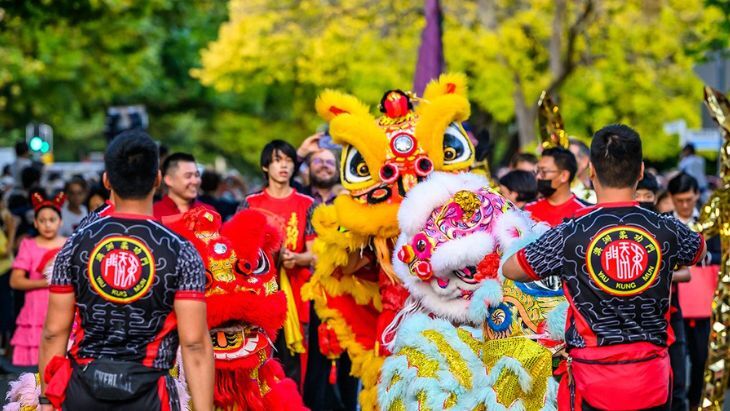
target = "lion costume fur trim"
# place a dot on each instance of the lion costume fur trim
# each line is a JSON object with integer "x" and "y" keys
{"x": 333, "y": 248}
{"x": 365, "y": 362}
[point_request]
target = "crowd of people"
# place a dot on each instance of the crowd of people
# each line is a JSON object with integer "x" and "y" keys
{"x": 558, "y": 180}
{"x": 38, "y": 220}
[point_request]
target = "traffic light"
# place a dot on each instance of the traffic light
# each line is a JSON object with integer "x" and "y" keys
{"x": 39, "y": 137}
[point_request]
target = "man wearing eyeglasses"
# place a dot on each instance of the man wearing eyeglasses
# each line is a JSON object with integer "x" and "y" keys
{"x": 324, "y": 176}
{"x": 555, "y": 171}
{"x": 319, "y": 157}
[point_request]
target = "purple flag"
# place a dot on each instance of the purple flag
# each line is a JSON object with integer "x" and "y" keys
{"x": 430, "y": 53}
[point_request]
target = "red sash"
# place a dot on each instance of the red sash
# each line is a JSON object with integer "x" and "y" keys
{"x": 56, "y": 376}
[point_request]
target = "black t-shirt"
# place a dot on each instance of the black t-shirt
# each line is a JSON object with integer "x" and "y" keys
{"x": 126, "y": 272}
{"x": 616, "y": 262}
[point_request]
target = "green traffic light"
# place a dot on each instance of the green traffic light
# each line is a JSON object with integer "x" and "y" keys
{"x": 36, "y": 144}
{"x": 45, "y": 147}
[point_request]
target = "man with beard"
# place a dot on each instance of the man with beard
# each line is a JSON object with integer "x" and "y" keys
{"x": 324, "y": 176}
{"x": 555, "y": 171}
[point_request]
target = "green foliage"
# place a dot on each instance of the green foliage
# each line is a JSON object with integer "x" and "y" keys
{"x": 633, "y": 58}
{"x": 633, "y": 64}
{"x": 64, "y": 61}
{"x": 278, "y": 56}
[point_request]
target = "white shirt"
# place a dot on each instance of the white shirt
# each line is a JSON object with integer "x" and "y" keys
{"x": 71, "y": 220}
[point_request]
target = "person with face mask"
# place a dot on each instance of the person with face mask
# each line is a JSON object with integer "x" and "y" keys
{"x": 646, "y": 191}
{"x": 616, "y": 261}
{"x": 555, "y": 171}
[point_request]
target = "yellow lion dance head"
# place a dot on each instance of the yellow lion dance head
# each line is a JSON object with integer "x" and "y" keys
{"x": 384, "y": 158}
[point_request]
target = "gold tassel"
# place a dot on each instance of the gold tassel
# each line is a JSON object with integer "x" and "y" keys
{"x": 382, "y": 250}
{"x": 292, "y": 332}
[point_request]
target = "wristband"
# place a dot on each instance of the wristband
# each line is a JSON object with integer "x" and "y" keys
{"x": 43, "y": 400}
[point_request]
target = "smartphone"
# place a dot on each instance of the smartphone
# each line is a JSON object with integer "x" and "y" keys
{"x": 326, "y": 142}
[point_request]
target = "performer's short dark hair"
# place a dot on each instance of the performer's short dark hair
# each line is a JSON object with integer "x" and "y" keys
{"x": 131, "y": 161}
{"x": 564, "y": 160}
{"x": 616, "y": 156}
{"x": 682, "y": 183}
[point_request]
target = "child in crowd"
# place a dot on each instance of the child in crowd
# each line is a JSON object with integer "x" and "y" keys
{"x": 519, "y": 186}
{"x": 27, "y": 275}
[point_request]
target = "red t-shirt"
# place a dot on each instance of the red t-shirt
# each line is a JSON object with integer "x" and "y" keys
{"x": 542, "y": 210}
{"x": 291, "y": 214}
{"x": 166, "y": 207}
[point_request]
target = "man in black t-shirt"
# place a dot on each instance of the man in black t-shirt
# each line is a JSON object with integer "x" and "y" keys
{"x": 136, "y": 292}
{"x": 616, "y": 261}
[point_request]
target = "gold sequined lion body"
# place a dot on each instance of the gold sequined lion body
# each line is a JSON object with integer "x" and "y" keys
{"x": 715, "y": 220}
{"x": 467, "y": 338}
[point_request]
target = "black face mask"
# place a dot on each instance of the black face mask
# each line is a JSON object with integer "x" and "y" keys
{"x": 545, "y": 187}
{"x": 648, "y": 205}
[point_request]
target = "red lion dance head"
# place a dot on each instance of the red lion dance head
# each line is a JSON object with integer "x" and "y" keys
{"x": 245, "y": 307}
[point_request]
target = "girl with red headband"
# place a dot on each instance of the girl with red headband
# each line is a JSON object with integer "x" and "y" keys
{"x": 34, "y": 256}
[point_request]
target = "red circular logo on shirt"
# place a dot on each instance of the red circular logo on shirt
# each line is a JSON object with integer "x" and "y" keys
{"x": 623, "y": 260}
{"x": 121, "y": 269}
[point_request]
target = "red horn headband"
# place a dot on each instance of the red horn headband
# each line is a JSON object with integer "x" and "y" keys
{"x": 40, "y": 202}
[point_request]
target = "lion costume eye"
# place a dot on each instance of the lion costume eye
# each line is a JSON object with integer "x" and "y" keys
{"x": 262, "y": 266}
{"x": 356, "y": 169}
{"x": 457, "y": 148}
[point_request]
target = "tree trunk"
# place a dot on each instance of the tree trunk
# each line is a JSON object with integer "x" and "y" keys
{"x": 557, "y": 65}
{"x": 525, "y": 114}
{"x": 487, "y": 14}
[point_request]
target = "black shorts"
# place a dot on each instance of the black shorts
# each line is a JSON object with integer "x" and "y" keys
{"x": 163, "y": 397}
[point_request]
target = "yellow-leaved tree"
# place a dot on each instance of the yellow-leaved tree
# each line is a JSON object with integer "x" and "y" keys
{"x": 607, "y": 61}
